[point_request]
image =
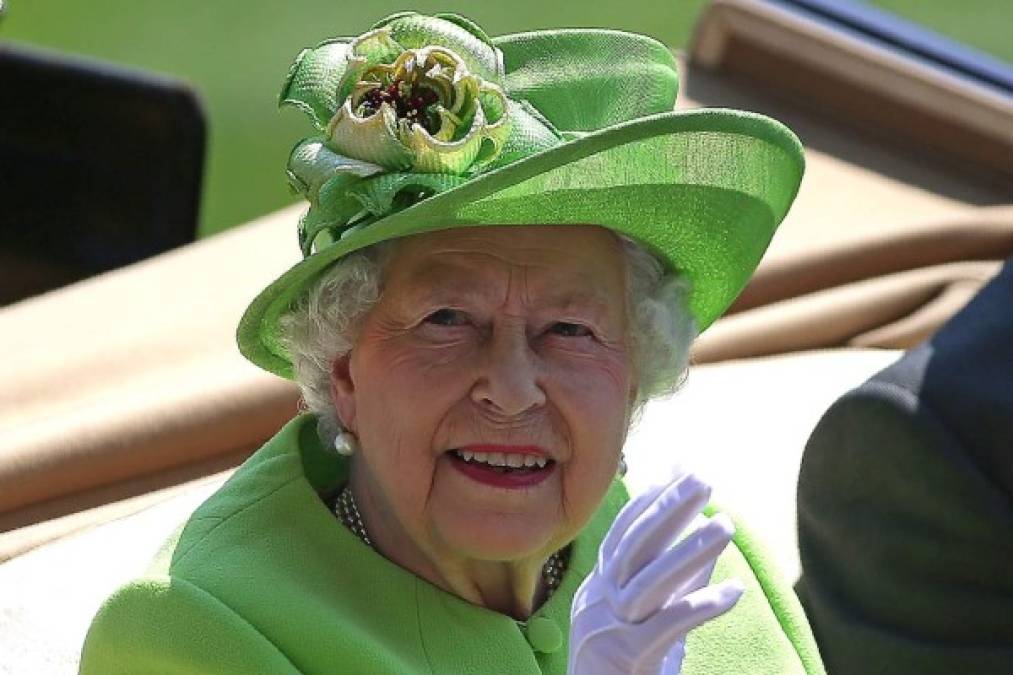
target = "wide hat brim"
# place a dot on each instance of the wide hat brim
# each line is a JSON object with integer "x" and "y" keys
{"x": 704, "y": 190}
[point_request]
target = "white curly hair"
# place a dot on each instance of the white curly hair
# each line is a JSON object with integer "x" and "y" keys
{"x": 324, "y": 326}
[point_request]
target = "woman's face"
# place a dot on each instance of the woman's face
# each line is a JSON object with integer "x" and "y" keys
{"x": 492, "y": 339}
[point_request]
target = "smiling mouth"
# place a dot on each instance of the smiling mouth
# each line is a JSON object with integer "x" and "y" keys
{"x": 503, "y": 463}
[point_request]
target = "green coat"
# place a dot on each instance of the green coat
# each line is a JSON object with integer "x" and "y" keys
{"x": 262, "y": 578}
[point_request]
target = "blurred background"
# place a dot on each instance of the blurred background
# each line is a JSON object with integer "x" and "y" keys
{"x": 235, "y": 55}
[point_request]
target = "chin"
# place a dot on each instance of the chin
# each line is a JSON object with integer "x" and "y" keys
{"x": 500, "y": 536}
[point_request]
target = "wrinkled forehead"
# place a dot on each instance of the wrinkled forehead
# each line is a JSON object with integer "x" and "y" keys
{"x": 555, "y": 264}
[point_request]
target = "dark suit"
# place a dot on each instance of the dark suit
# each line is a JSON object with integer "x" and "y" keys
{"x": 905, "y": 506}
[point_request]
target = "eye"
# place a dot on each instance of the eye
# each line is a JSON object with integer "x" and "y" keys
{"x": 568, "y": 329}
{"x": 447, "y": 317}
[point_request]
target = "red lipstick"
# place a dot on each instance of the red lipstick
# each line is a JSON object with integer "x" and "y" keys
{"x": 503, "y": 477}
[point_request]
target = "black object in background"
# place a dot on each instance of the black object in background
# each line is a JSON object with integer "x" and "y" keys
{"x": 99, "y": 167}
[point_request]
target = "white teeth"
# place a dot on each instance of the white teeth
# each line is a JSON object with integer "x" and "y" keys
{"x": 513, "y": 460}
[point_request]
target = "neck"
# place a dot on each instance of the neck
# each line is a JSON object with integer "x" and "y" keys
{"x": 515, "y": 587}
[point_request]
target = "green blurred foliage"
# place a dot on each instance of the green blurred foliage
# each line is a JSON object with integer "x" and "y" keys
{"x": 236, "y": 54}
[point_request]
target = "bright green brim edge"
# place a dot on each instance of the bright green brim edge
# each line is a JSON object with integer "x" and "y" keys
{"x": 703, "y": 189}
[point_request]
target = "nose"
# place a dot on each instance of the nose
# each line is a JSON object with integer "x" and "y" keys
{"x": 509, "y": 382}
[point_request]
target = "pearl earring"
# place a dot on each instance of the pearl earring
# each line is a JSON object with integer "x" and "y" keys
{"x": 622, "y": 465}
{"x": 345, "y": 443}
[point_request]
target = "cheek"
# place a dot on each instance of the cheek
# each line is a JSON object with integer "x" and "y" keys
{"x": 403, "y": 395}
{"x": 405, "y": 386}
{"x": 592, "y": 400}
{"x": 592, "y": 391}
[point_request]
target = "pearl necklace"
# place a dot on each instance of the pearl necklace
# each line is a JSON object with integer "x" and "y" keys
{"x": 348, "y": 513}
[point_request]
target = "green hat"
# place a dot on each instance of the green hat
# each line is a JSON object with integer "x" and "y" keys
{"x": 426, "y": 123}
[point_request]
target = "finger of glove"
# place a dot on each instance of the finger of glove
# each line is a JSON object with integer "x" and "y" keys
{"x": 671, "y": 625}
{"x": 702, "y": 577}
{"x": 628, "y": 514}
{"x": 672, "y": 574}
{"x": 657, "y": 527}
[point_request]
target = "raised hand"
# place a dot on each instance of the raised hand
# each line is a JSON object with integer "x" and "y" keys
{"x": 631, "y": 614}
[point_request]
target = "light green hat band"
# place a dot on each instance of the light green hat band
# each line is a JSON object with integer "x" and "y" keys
{"x": 547, "y": 127}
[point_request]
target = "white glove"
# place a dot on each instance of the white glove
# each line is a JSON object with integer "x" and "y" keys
{"x": 631, "y": 614}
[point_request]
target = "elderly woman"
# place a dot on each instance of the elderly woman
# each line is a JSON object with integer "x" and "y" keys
{"x": 510, "y": 245}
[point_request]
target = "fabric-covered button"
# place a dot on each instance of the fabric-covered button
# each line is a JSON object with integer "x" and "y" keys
{"x": 544, "y": 635}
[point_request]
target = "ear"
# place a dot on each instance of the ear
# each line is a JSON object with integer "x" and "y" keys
{"x": 343, "y": 390}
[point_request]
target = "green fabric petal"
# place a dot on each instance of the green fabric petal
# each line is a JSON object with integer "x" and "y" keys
{"x": 430, "y": 155}
{"x": 497, "y": 128}
{"x": 466, "y": 90}
{"x": 334, "y": 209}
{"x": 310, "y": 225}
{"x": 440, "y": 83}
{"x": 585, "y": 80}
{"x": 391, "y": 17}
{"x": 312, "y": 81}
{"x": 372, "y": 139}
{"x": 354, "y": 70}
{"x": 311, "y": 164}
{"x": 361, "y": 88}
{"x": 372, "y": 49}
{"x": 467, "y": 24}
{"x": 529, "y": 132}
{"x": 379, "y": 193}
{"x": 449, "y": 123}
{"x": 493, "y": 101}
{"x": 415, "y": 31}
{"x": 377, "y": 46}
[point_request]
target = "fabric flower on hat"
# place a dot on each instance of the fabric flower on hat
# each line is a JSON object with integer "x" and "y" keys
{"x": 411, "y": 108}
{"x": 425, "y": 111}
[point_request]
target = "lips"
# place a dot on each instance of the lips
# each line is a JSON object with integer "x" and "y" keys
{"x": 512, "y": 460}
{"x": 503, "y": 466}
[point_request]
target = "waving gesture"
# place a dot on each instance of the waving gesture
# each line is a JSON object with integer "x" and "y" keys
{"x": 631, "y": 614}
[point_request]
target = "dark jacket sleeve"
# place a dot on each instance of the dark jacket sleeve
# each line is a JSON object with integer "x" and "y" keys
{"x": 905, "y": 510}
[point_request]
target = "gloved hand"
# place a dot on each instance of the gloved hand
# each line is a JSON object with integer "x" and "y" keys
{"x": 631, "y": 614}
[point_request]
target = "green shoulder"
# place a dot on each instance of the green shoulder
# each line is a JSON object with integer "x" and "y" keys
{"x": 168, "y": 625}
{"x": 766, "y": 633}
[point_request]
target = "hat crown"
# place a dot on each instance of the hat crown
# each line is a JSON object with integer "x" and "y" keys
{"x": 585, "y": 79}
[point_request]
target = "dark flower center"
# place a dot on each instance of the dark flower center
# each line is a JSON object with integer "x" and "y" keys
{"x": 410, "y": 102}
